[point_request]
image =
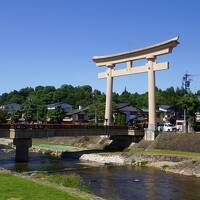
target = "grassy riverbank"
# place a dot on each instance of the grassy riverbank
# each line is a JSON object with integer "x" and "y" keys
{"x": 83, "y": 142}
{"x": 66, "y": 180}
{"x": 172, "y": 152}
{"x": 47, "y": 145}
{"x": 17, "y": 188}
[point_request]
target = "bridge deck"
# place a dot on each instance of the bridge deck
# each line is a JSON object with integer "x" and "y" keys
{"x": 41, "y": 131}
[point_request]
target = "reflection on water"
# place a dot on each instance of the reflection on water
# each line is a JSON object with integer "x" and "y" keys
{"x": 126, "y": 183}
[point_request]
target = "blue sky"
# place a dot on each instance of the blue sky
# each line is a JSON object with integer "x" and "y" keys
{"x": 51, "y": 42}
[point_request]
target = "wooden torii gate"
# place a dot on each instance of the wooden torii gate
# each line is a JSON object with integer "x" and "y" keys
{"x": 150, "y": 53}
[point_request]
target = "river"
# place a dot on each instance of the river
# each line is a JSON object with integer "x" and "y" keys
{"x": 111, "y": 182}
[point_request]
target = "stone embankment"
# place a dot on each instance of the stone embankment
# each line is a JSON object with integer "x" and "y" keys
{"x": 167, "y": 163}
{"x": 173, "y": 164}
{"x": 106, "y": 158}
{"x": 189, "y": 167}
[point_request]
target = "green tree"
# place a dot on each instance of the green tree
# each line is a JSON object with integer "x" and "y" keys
{"x": 30, "y": 111}
{"x": 3, "y": 116}
{"x": 120, "y": 119}
{"x": 191, "y": 104}
{"x": 56, "y": 115}
{"x": 15, "y": 116}
{"x": 42, "y": 113}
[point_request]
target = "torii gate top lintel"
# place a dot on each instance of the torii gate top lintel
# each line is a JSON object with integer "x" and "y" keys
{"x": 142, "y": 53}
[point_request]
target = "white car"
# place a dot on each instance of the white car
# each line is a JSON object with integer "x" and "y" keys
{"x": 166, "y": 127}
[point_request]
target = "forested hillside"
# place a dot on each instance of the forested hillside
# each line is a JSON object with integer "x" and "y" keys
{"x": 85, "y": 95}
{"x": 33, "y": 101}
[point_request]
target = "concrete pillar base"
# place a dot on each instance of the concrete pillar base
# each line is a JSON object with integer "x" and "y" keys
{"x": 149, "y": 135}
{"x": 22, "y": 146}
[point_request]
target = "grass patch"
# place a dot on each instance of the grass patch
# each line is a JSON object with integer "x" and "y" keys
{"x": 164, "y": 167}
{"x": 141, "y": 163}
{"x": 12, "y": 187}
{"x": 70, "y": 180}
{"x": 132, "y": 151}
{"x": 54, "y": 147}
{"x": 172, "y": 152}
{"x": 38, "y": 142}
{"x": 194, "y": 162}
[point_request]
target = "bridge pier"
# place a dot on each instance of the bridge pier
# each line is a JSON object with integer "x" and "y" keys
{"x": 22, "y": 146}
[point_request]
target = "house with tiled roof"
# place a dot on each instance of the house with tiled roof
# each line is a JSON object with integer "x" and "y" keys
{"x": 67, "y": 107}
{"x": 130, "y": 112}
{"x": 77, "y": 116}
{"x": 10, "y": 107}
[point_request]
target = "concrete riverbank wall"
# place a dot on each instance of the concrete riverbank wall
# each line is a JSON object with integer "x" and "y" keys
{"x": 177, "y": 141}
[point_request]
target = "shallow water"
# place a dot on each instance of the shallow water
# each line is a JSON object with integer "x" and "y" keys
{"x": 126, "y": 183}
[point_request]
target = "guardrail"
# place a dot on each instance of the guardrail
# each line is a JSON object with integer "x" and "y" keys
{"x": 65, "y": 126}
{"x": 57, "y": 126}
{"x": 4, "y": 126}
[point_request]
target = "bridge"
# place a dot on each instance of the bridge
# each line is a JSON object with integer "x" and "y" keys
{"x": 22, "y": 134}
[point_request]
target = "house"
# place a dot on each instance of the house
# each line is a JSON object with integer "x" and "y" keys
{"x": 130, "y": 112}
{"x": 67, "y": 107}
{"x": 146, "y": 114}
{"x": 77, "y": 116}
{"x": 169, "y": 113}
{"x": 198, "y": 116}
{"x": 166, "y": 108}
{"x": 10, "y": 107}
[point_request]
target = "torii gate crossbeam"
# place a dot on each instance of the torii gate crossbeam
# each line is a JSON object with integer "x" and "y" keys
{"x": 150, "y": 53}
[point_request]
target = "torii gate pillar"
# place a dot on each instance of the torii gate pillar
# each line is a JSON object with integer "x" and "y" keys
{"x": 150, "y": 132}
{"x": 109, "y": 89}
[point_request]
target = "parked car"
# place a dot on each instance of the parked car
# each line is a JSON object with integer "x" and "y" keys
{"x": 166, "y": 127}
{"x": 160, "y": 127}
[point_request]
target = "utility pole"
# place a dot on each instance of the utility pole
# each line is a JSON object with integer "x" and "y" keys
{"x": 95, "y": 109}
{"x": 186, "y": 80}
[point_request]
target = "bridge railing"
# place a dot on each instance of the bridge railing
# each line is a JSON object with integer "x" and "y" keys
{"x": 58, "y": 126}
{"x": 4, "y": 126}
{"x": 65, "y": 126}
